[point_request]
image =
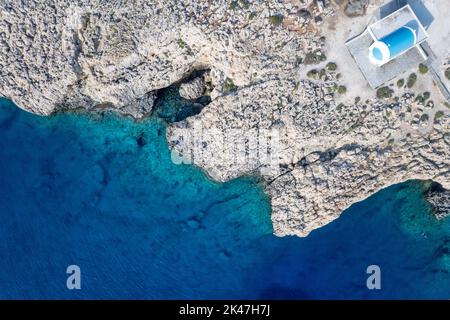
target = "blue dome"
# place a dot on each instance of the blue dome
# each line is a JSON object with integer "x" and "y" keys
{"x": 399, "y": 41}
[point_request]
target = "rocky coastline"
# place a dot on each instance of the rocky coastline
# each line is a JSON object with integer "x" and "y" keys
{"x": 278, "y": 106}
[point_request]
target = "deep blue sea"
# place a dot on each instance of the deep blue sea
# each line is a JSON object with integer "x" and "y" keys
{"x": 100, "y": 192}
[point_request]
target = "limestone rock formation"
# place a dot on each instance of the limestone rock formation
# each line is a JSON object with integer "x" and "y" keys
{"x": 193, "y": 89}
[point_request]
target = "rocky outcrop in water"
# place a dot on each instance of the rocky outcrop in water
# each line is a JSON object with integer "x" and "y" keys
{"x": 440, "y": 200}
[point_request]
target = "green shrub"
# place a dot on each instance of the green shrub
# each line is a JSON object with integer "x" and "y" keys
{"x": 322, "y": 73}
{"x": 400, "y": 83}
{"x": 185, "y": 46}
{"x": 182, "y": 44}
{"x": 426, "y": 95}
{"x": 438, "y": 115}
{"x": 244, "y": 4}
{"x": 412, "y": 78}
{"x": 312, "y": 73}
{"x": 420, "y": 99}
{"x": 331, "y": 66}
{"x": 276, "y": 19}
{"x": 423, "y": 68}
{"x": 424, "y": 117}
{"x": 342, "y": 89}
{"x": 447, "y": 73}
{"x": 384, "y": 92}
{"x": 233, "y": 5}
{"x": 229, "y": 85}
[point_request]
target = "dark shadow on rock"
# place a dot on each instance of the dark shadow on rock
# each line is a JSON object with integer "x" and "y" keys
{"x": 171, "y": 107}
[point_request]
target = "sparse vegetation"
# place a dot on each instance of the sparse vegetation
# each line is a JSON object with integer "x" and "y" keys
{"x": 252, "y": 15}
{"x": 331, "y": 66}
{"x": 229, "y": 85}
{"x": 439, "y": 114}
{"x": 447, "y": 73}
{"x": 400, "y": 83}
{"x": 447, "y": 104}
{"x": 233, "y": 5}
{"x": 412, "y": 78}
{"x": 244, "y": 4}
{"x": 322, "y": 73}
{"x": 384, "y": 92}
{"x": 276, "y": 19}
{"x": 314, "y": 57}
{"x": 420, "y": 98}
{"x": 423, "y": 68}
{"x": 182, "y": 44}
{"x": 357, "y": 99}
{"x": 342, "y": 89}
{"x": 322, "y": 57}
{"x": 424, "y": 117}
{"x": 312, "y": 73}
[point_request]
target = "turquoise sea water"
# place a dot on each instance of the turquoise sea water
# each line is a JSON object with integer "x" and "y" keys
{"x": 101, "y": 192}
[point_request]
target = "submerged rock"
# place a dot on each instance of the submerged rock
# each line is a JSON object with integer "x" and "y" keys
{"x": 440, "y": 200}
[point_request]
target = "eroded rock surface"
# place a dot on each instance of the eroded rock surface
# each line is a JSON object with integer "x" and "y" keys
{"x": 329, "y": 156}
{"x": 66, "y": 54}
{"x": 193, "y": 89}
